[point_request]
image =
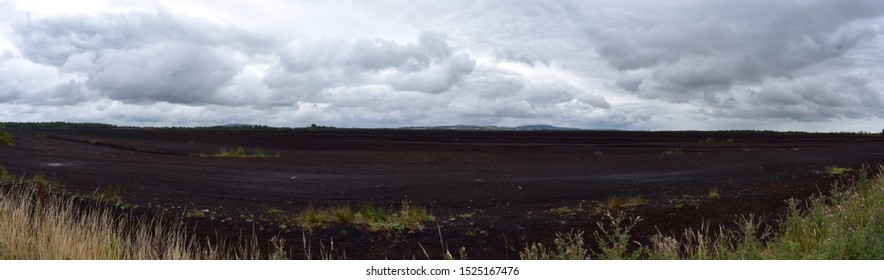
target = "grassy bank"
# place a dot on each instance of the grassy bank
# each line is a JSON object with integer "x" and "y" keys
{"x": 846, "y": 224}
{"x": 37, "y": 225}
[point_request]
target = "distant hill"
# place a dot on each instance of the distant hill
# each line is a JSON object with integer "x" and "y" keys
{"x": 543, "y": 127}
{"x": 489, "y": 127}
{"x": 235, "y": 125}
{"x": 241, "y": 126}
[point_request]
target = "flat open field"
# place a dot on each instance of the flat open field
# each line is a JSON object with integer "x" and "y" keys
{"x": 491, "y": 192}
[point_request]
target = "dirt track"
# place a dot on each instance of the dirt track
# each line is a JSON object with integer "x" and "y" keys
{"x": 508, "y": 181}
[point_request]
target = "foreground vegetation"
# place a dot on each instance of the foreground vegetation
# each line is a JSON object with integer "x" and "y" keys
{"x": 35, "y": 224}
{"x": 846, "y": 224}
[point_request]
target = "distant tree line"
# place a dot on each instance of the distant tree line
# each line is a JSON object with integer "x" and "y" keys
{"x": 771, "y": 132}
{"x": 250, "y": 127}
{"x": 54, "y": 125}
{"x": 103, "y": 125}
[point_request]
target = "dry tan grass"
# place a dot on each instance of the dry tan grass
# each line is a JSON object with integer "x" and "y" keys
{"x": 619, "y": 202}
{"x": 35, "y": 225}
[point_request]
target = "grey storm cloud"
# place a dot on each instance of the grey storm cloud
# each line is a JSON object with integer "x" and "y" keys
{"x": 175, "y": 73}
{"x": 140, "y": 57}
{"x": 629, "y": 83}
{"x": 381, "y": 54}
{"x": 704, "y": 51}
{"x": 436, "y": 78}
{"x": 52, "y": 40}
{"x": 521, "y": 58}
{"x": 430, "y": 66}
{"x": 63, "y": 94}
{"x": 494, "y": 93}
{"x": 854, "y": 94}
{"x": 756, "y": 38}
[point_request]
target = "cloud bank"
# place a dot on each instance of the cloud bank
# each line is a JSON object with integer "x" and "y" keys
{"x": 811, "y": 65}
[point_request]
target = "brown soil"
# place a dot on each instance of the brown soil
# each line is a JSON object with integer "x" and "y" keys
{"x": 492, "y": 192}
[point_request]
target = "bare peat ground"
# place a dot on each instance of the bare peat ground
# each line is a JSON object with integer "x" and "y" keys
{"x": 491, "y": 192}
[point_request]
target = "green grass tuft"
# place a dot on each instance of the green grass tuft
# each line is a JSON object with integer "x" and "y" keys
{"x": 619, "y": 202}
{"x": 831, "y": 171}
{"x": 568, "y": 211}
{"x": 708, "y": 140}
{"x": 635, "y": 201}
{"x": 615, "y": 202}
{"x": 235, "y": 153}
{"x": 375, "y": 218}
{"x": 713, "y": 193}
{"x": 6, "y": 139}
{"x": 194, "y": 214}
{"x": 240, "y": 152}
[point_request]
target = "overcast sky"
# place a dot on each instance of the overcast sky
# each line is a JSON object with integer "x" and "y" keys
{"x": 650, "y": 65}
